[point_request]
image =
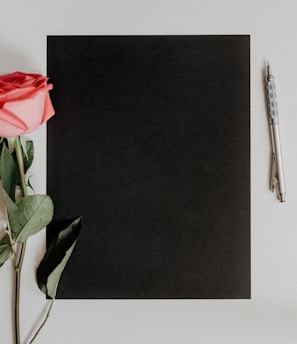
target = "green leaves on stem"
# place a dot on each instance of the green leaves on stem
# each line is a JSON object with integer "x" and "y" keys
{"x": 8, "y": 172}
{"x": 28, "y": 216}
{"x": 54, "y": 262}
{"x": 25, "y": 216}
{"x": 56, "y": 258}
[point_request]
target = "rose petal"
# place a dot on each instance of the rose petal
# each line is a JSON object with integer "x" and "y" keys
{"x": 31, "y": 110}
{"x": 8, "y": 130}
{"x": 48, "y": 108}
{"x": 16, "y": 93}
{"x": 24, "y": 103}
{"x": 11, "y": 124}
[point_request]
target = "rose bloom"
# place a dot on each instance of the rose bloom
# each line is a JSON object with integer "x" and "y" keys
{"x": 24, "y": 103}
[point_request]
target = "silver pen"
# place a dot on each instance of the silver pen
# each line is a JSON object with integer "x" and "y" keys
{"x": 277, "y": 170}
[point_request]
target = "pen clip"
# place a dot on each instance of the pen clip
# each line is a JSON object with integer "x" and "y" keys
{"x": 274, "y": 179}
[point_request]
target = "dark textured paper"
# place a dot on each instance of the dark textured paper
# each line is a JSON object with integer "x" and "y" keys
{"x": 151, "y": 145}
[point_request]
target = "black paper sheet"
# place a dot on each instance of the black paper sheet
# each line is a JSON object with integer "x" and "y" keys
{"x": 151, "y": 145}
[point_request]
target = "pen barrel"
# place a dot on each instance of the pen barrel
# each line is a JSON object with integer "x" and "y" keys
{"x": 278, "y": 158}
{"x": 275, "y": 135}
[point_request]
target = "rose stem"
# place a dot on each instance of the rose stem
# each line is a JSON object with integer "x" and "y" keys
{"x": 18, "y": 268}
{"x": 44, "y": 321}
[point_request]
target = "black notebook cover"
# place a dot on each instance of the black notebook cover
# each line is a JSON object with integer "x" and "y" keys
{"x": 151, "y": 145}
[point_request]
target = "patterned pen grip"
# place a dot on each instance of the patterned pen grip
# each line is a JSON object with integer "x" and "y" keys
{"x": 272, "y": 101}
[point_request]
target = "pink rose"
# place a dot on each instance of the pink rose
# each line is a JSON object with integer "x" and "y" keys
{"x": 24, "y": 103}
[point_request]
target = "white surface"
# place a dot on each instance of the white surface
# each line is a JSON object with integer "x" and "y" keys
{"x": 270, "y": 316}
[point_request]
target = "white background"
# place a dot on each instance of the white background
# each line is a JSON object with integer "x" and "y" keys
{"x": 271, "y": 315}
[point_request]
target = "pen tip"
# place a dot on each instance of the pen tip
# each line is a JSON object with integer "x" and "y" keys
{"x": 269, "y": 74}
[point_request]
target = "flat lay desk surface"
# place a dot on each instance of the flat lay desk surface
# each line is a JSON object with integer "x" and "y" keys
{"x": 270, "y": 315}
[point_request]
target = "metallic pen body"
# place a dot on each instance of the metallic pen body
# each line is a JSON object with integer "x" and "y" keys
{"x": 277, "y": 171}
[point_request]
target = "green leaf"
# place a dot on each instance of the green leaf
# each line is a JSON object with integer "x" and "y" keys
{"x": 56, "y": 257}
{"x": 13, "y": 214}
{"x": 8, "y": 172}
{"x": 28, "y": 154}
{"x": 34, "y": 213}
{"x": 5, "y": 249}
